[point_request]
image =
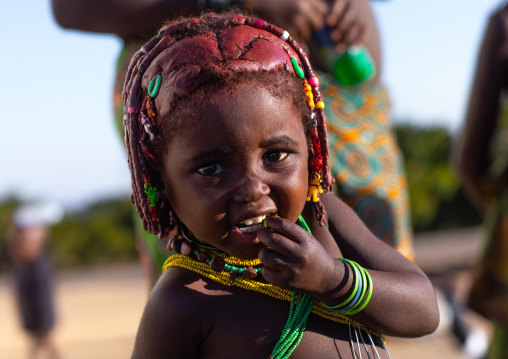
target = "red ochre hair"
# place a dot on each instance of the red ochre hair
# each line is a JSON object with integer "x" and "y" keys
{"x": 189, "y": 54}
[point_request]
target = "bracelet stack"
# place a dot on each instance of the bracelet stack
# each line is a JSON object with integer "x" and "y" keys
{"x": 361, "y": 294}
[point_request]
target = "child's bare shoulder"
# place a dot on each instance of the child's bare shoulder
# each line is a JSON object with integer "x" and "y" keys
{"x": 176, "y": 316}
{"x": 183, "y": 293}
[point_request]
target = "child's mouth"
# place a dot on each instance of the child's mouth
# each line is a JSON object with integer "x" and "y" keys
{"x": 252, "y": 225}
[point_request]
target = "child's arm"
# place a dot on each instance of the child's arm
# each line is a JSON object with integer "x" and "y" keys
{"x": 403, "y": 302}
{"x": 171, "y": 325}
{"x": 490, "y": 79}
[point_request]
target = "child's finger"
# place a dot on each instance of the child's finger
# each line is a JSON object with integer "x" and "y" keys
{"x": 287, "y": 229}
{"x": 272, "y": 259}
{"x": 277, "y": 242}
{"x": 274, "y": 277}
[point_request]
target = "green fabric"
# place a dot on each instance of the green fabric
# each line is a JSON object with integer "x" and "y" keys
{"x": 499, "y": 342}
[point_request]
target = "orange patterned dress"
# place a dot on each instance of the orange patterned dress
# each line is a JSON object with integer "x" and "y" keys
{"x": 366, "y": 161}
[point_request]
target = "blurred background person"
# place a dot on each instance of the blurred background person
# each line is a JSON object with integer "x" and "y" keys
{"x": 33, "y": 274}
{"x": 366, "y": 160}
{"x": 482, "y": 160}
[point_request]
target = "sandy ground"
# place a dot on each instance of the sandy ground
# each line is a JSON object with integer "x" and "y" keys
{"x": 99, "y": 308}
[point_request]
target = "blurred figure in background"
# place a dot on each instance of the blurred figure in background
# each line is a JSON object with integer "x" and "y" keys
{"x": 482, "y": 160}
{"x": 365, "y": 158}
{"x": 33, "y": 274}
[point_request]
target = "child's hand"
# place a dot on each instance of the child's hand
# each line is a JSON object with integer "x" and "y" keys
{"x": 293, "y": 259}
{"x": 348, "y": 22}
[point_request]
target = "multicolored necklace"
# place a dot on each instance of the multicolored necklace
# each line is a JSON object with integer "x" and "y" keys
{"x": 229, "y": 271}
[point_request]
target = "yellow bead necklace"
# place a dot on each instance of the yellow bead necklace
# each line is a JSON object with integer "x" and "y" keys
{"x": 225, "y": 278}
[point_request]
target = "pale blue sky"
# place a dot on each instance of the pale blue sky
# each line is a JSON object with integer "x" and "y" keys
{"x": 59, "y": 141}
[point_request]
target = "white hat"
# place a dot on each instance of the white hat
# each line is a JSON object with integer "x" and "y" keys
{"x": 38, "y": 214}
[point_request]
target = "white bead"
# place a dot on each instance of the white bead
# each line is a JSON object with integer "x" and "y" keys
{"x": 143, "y": 50}
{"x": 285, "y": 36}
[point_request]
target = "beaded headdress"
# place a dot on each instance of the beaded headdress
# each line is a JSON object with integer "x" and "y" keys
{"x": 184, "y": 56}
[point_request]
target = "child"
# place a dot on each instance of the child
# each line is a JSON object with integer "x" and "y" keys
{"x": 226, "y": 135}
{"x": 33, "y": 274}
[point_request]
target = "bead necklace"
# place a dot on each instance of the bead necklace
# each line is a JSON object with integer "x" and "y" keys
{"x": 224, "y": 278}
{"x": 213, "y": 265}
{"x": 220, "y": 261}
{"x": 219, "y": 264}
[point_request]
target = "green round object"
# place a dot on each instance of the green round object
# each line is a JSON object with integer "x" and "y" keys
{"x": 354, "y": 67}
{"x": 153, "y": 87}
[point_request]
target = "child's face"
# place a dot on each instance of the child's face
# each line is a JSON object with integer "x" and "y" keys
{"x": 244, "y": 157}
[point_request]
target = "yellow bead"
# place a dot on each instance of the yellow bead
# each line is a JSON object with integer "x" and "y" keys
{"x": 320, "y": 104}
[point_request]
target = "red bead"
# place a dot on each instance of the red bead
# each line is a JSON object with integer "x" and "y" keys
{"x": 249, "y": 273}
{"x": 203, "y": 256}
{"x": 316, "y": 164}
{"x": 186, "y": 248}
{"x": 317, "y": 145}
{"x": 217, "y": 264}
{"x": 176, "y": 246}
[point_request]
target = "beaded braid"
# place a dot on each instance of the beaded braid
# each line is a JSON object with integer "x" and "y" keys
{"x": 140, "y": 120}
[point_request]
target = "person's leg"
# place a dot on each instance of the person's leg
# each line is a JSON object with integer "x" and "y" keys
{"x": 44, "y": 342}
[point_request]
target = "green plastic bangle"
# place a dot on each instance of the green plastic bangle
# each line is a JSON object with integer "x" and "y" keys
{"x": 359, "y": 301}
{"x": 357, "y": 277}
{"x": 369, "y": 295}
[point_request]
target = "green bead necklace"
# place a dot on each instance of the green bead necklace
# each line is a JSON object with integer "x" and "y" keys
{"x": 301, "y": 305}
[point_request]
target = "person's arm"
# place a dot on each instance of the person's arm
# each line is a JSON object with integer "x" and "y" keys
{"x": 298, "y": 17}
{"x": 353, "y": 23}
{"x": 125, "y": 18}
{"x": 483, "y": 108}
{"x": 403, "y": 301}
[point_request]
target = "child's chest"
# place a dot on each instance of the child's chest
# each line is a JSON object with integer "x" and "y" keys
{"x": 245, "y": 325}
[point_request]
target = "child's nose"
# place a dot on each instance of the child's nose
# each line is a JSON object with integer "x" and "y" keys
{"x": 250, "y": 190}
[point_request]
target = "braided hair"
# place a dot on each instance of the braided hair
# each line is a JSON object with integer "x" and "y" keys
{"x": 184, "y": 57}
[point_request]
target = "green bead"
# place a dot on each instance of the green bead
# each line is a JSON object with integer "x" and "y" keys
{"x": 153, "y": 87}
{"x": 298, "y": 69}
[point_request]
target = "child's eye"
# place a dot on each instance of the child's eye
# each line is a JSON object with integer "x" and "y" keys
{"x": 275, "y": 156}
{"x": 211, "y": 170}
